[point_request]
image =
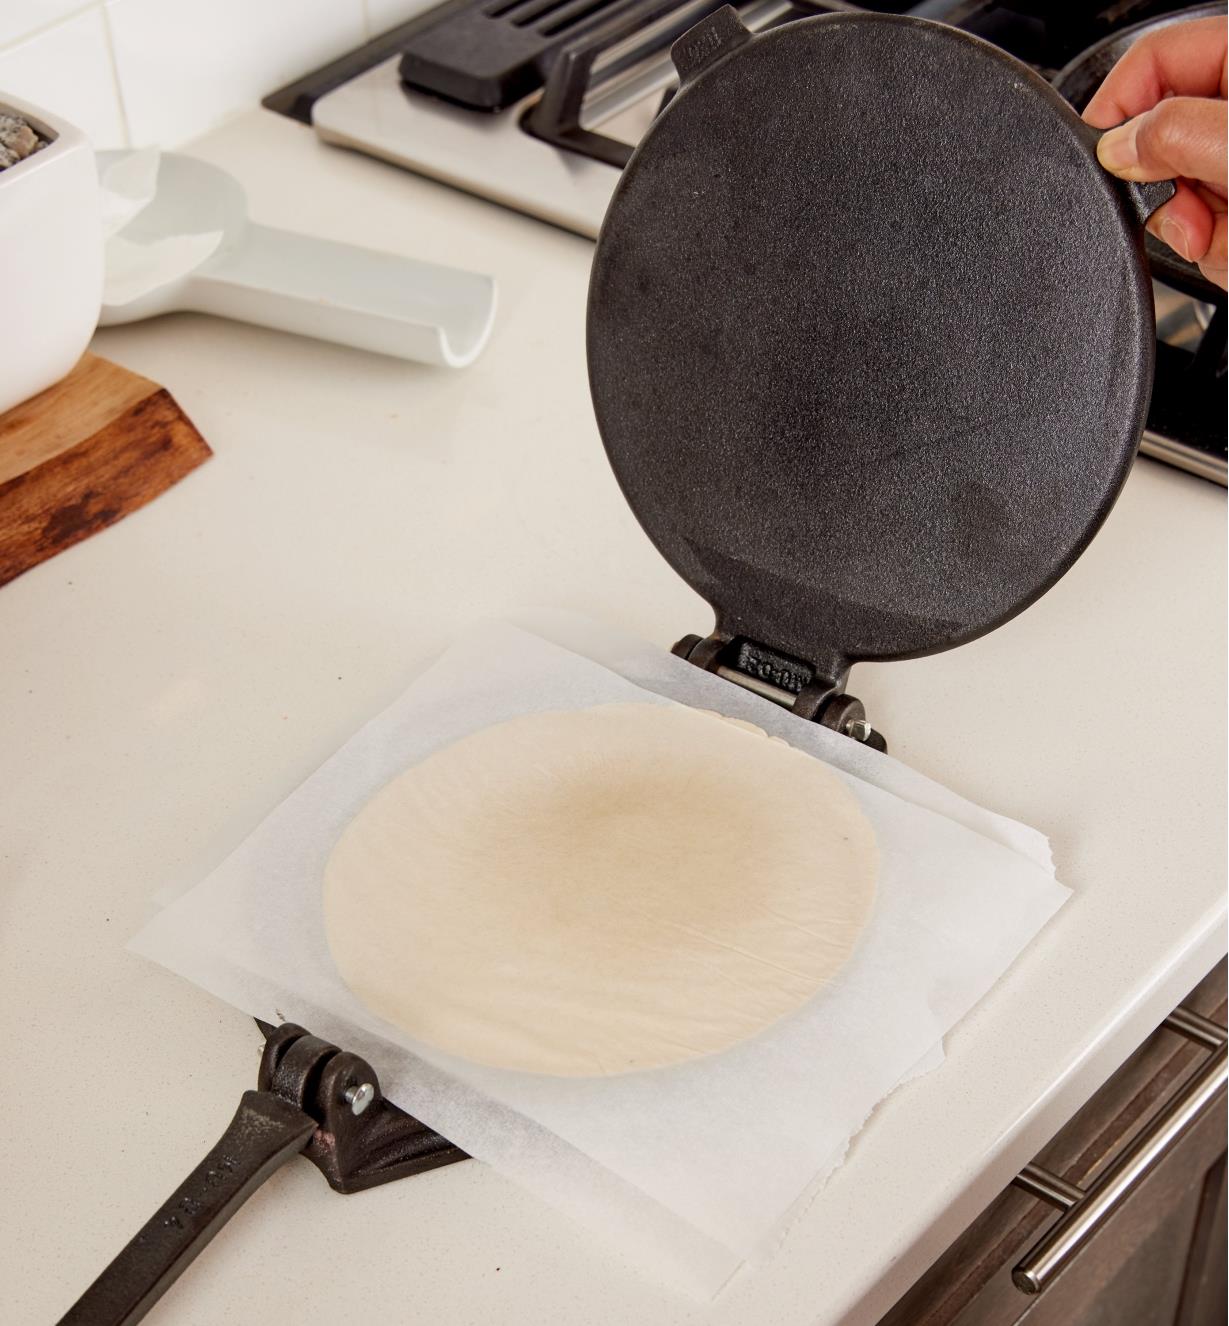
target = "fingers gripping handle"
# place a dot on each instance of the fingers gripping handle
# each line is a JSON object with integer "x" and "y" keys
{"x": 265, "y": 1132}
{"x": 1144, "y": 199}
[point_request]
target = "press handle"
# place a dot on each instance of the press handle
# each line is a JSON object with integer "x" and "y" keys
{"x": 1146, "y": 198}
{"x": 1143, "y": 199}
{"x": 354, "y": 296}
{"x": 1085, "y": 1211}
{"x": 265, "y": 1132}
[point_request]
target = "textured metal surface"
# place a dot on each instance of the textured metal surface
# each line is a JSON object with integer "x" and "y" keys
{"x": 869, "y": 335}
{"x": 306, "y": 1103}
{"x": 353, "y": 1151}
{"x": 265, "y": 1133}
{"x": 789, "y": 682}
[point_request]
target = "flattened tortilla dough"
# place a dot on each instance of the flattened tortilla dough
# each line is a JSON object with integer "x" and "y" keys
{"x": 600, "y": 891}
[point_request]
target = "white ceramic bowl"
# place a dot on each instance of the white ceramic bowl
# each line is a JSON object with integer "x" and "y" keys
{"x": 50, "y": 257}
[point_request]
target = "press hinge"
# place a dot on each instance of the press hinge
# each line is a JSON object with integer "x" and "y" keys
{"x": 800, "y": 687}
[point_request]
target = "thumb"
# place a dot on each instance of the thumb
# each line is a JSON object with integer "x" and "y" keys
{"x": 1181, "y": 136}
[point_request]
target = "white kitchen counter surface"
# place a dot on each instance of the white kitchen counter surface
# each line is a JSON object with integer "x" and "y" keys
{"x": 165, "y": 684}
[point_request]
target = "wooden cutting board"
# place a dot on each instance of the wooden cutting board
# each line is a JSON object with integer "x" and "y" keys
{"x": 83, "y": 454}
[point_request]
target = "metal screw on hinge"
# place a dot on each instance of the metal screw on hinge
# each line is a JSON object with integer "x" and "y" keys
{"x": 359, "y": 1097}
{"x": 859, "y": 729}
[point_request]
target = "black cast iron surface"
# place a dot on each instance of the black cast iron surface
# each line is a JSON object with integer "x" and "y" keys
{"x": 301, "y": 1106}
{"x": 265, "y": 1132}
{"x": 870, "y": 337}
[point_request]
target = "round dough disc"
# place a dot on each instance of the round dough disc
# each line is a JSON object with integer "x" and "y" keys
{"x": 599, "y": 891}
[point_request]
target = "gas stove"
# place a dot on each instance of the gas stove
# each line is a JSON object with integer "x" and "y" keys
{"x": 537, "y": 105}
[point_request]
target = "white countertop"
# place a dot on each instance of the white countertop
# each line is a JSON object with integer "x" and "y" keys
{"x": 166, "y": 683}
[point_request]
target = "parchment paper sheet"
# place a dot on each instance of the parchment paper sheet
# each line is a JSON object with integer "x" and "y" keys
{"x": 690, "y": 1169}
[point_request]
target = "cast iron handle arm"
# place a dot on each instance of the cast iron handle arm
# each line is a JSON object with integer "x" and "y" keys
{"x": 314, "y": 1099}
{"x": 265, "y": 1133}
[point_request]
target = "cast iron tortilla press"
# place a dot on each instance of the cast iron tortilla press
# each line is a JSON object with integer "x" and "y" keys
{"x": 870, "y": 340}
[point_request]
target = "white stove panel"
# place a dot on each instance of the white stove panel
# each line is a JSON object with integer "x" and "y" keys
{"x": 490, "y": 155}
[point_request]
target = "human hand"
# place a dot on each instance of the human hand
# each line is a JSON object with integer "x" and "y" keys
{"x": 1170, "y": 88}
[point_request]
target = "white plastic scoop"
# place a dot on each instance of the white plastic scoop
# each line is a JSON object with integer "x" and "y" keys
{"x": 276, "y": 278}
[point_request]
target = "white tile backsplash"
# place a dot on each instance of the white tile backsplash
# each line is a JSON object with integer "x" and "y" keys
{"x": 22, "y": 18}
{"x": 66, "y": 69}
{"x": 186, "y": 64}
{"x": 385, "y": 14}
{"x": 163, "y": 71}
